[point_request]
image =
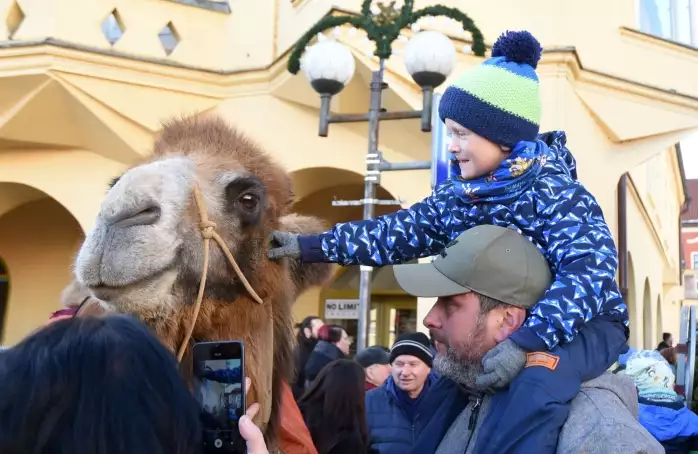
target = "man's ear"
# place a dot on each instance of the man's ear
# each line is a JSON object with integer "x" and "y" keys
{"x": 510, "y": 319}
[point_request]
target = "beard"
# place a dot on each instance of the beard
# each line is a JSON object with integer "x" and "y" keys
{"x": 462, "y": 363}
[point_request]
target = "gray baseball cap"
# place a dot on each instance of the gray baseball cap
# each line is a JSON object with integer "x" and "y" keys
{"x": 493, "y": 261}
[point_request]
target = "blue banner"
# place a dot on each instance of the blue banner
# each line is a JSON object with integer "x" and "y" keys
{"x": 440, "y": 156}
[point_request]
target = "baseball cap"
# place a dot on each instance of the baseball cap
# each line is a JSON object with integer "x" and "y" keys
{"x": 372, "y": 355}
{"x": 494, "y": 261}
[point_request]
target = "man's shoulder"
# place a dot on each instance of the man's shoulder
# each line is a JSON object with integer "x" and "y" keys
{"x": 603, "y": 419}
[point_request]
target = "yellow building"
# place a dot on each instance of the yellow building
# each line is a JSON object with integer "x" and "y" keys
{"x": 84, "y": 86}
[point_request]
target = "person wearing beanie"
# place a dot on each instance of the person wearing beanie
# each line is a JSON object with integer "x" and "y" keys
{"x": 376, "y": 363}
{"x": 503, "y": 172}
{"x": 414, "y": 405}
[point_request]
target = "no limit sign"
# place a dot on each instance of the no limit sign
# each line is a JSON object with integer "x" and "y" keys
{"x": 342, "y": 309}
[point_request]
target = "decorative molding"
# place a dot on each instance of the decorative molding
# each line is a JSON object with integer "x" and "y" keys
{"x": 219, "y": 7}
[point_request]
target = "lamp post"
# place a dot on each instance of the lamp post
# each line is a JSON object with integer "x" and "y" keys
{"x": 329, "y": 66}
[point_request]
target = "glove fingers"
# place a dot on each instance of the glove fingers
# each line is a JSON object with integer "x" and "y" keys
{"x": 486, "y": 380}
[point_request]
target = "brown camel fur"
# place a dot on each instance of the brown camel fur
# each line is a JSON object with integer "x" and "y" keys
{"x": 145, "y": 254}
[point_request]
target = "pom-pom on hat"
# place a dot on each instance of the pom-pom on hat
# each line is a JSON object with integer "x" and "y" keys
{"x": 499, "y": 99}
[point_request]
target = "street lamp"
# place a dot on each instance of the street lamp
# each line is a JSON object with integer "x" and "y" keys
{"x": 329, "y": 66}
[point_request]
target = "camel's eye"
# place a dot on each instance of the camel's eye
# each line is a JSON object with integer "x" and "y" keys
{"x": 249, "y": 201}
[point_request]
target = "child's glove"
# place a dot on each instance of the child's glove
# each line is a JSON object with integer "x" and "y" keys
{"x": 288, "y": 246}
{"x": 501, "y": 365}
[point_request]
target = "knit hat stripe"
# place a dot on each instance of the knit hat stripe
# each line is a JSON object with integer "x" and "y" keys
{"x": 513, "y": 67}
{"x": 484, "y": 119}
{"x": 504, "y": 90}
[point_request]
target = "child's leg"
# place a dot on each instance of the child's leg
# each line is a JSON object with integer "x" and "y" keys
{"x": 528, "y": 417}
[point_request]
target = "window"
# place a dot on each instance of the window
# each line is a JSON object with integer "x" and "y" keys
{"x": 676, "y": 20}
{"x": 694, "y": 260}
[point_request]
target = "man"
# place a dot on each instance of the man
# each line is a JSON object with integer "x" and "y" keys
{"x": 376, "y": 363}
{"x": 414, "y": 405}
{"x": 485, "y": 282}
{"x": 667, "y": 341}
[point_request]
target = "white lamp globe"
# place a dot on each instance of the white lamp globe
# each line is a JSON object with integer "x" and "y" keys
{"x": 429, "y": 58}
{"x": 328, "y": 65}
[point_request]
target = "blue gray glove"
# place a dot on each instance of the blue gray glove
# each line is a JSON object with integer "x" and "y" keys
{"x": 501, "y": 365}
{"x": 287, "y": 246}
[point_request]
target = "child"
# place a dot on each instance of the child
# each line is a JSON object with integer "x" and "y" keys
{"x": 502, "y": 174}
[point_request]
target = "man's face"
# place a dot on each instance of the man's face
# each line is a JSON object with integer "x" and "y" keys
{"x": 410, "y": 373}
{"x": 315, "y": 325}
{"x": 462, "y": 336}
{"x": 670, "y": 341}
{"x": 378, "y": 373}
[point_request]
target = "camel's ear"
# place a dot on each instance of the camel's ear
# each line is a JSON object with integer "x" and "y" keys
{"x": 306, "y": 275}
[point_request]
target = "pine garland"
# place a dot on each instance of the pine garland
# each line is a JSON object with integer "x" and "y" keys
{"x": 385, "y": 28}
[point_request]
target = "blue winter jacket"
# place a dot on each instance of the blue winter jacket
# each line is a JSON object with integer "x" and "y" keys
{"x": 671, "y": 424}
{"x": 391, "y": 431}
{"x": 536, "y": 191}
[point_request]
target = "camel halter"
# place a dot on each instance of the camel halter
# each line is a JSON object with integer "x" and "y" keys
{"x": 208, "y": 232}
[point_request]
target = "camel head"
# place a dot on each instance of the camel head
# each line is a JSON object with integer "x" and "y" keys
{"x": 145, "y": 252}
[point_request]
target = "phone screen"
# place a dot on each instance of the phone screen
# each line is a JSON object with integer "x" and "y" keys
{"x": 219, "y": 372}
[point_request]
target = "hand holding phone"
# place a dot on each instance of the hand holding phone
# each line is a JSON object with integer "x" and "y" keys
{"x": 249, "y": 431}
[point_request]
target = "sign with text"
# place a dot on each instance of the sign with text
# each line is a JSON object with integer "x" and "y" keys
{"x": 342, "y": 309}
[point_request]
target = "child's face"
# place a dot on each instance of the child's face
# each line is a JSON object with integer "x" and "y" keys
{"x": 476, "y": 155}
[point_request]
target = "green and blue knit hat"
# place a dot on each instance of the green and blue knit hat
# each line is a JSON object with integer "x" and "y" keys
{"x": 500, "y": 98}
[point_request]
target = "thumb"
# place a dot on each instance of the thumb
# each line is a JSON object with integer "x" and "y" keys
{"x": 253, "y": 436}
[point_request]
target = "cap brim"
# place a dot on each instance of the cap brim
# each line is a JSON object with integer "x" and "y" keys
{"x": 424, "y": 280}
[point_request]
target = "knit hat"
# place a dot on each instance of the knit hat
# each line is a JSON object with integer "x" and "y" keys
{"x": 413, "y": 344}
{"x": 372, "y": 355}
{"x": 499, "y": 99}
{"x": 652, "y": 375}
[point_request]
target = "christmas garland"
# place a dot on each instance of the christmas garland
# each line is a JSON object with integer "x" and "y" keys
{"x": 385, "y": 27}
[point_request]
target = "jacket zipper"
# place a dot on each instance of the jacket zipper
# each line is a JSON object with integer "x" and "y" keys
{"x": 472, "y": 422}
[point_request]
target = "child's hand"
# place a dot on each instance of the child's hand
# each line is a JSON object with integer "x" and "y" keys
{"x": 288, "y": 245}
{"x": 501, "y": 365}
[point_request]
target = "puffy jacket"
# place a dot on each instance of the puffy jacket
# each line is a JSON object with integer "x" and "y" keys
{"x": 390, "y": 429}
{"x": 671, "y": 423}
{"x": 323, "y": 354}
{"x": 536, "y": 191}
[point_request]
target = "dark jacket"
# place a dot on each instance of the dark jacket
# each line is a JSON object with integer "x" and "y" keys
{"x": 300, "y": 356}
{"x": 323, "y": 354}
{"x": 392, "y": 431}
{"x": 536, "y": 191}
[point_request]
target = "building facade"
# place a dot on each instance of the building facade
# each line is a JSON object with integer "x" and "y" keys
{"x": 83, "y": 91}
{"x": 689, "y": 239}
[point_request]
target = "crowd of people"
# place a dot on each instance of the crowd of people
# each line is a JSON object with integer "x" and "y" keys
{"x": 527, "y": 323}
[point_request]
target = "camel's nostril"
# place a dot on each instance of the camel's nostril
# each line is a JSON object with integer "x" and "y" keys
{"x": 147, "y": 216}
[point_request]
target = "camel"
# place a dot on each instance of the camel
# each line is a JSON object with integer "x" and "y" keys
{"x": 145, "y": 253}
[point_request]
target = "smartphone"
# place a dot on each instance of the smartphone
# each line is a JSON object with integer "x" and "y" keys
{"x": 219, "y": 376}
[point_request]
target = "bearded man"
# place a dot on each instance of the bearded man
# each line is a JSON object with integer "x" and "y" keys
{"x": 485, "y": 283}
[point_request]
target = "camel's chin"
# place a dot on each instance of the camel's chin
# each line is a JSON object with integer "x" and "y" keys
{"x": 150, "y": 293}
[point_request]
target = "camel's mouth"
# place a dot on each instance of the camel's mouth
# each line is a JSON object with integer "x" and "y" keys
{"x": 113, "y": 294}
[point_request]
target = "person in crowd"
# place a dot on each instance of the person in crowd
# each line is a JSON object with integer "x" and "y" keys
{"x": 71, "y": 388}
{"x": 306, "y": 340}
{"x": 333, "y": 408}
{"x": 504, "y": 173}
{"x": 484, "y": 284}
{"x": 662, "y": 412}
{"x": 376, "y": 363}
{"x": 413, "y": 404}
{"x": 670, "y": 355}
{"x": 334, "y": 343}
{"x": 667, "y": 341}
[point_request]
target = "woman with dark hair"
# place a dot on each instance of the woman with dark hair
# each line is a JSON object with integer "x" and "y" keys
{"x": 306, "y": 339}
{"x": 95, "y": 386}
{"x": 334, "y": 409}
{"x": 334, "y": 343}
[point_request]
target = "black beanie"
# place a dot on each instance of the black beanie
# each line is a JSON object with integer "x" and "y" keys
{"x": 413, "y": 344}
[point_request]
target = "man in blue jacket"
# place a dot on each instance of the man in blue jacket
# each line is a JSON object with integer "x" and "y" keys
{"x": 414, "y": 405}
